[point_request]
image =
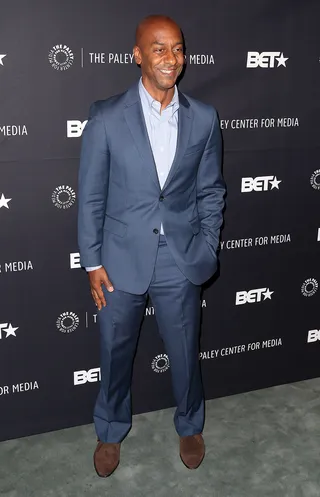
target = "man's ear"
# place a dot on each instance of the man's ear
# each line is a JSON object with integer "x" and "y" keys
{"x": 137, "y": 54}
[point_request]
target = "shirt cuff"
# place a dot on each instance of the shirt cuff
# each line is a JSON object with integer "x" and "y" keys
{"x": 93, "y": 268}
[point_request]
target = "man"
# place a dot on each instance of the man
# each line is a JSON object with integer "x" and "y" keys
{"x": 150, "y": 211}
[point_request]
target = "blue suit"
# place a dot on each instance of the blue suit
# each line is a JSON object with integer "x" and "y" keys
{"x": 121, "y": 207}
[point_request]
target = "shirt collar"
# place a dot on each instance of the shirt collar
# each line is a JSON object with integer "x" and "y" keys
{"x": 146, "y": 98}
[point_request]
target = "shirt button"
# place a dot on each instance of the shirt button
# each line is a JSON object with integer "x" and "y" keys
{"x": 155, "y": 231}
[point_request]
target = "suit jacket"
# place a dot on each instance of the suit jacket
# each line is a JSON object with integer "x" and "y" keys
{"x": 121, "y": 204}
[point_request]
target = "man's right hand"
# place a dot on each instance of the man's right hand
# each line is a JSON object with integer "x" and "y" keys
{"x": 97, "y": 278}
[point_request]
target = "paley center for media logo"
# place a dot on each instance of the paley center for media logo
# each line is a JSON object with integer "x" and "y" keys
{"x": 259, "y": 184}
{"x": 315, "y": 179}
{"x": 309, "y": 287}
{"x": 266, "y": 60}
{"x": 2, "y": 56}
{"x": 61, "y": 57}
{"x": 67, "y": 322}
{"x": 253, "y": 296}
{"x": 63, "y": 197}
{"x": 160, "y": 363}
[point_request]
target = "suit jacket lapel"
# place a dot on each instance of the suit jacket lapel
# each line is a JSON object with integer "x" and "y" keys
{"x": 135, "y": 120}
{"x": 184, "y": 130}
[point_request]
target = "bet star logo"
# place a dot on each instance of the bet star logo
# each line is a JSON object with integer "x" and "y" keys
{"x": 4, "y": 201}
{"x": 275, "y": 183}
{"x": 282, "y": 60}
{"x": 266, "y": 59}
{"x": 8, "y": 329}
{"x": 267, "y": 294}
{"x": 252, "y": 296}
{"x": 1, "y": 59}
{"x": 259, "y": 184}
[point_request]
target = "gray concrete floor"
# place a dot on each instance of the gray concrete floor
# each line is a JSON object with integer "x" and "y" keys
{"x": 258, "y": 444}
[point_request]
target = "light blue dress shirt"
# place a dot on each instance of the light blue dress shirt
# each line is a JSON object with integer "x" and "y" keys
{"x": 162, "y": 127}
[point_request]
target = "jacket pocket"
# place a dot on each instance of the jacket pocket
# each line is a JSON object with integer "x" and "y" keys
{"x": 114, "y": 226}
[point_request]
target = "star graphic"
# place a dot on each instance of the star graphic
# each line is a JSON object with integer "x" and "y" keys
{"x": 10, "y": 330}
{"x": 282, "y": 60}
{"x": 4, "y": 201}
{"x": 1, "y": 57}
{"x": 267, "y": 294}
{"x": 275, "y": 183}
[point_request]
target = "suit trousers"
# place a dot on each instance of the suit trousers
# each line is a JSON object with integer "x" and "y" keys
{"x": 177, "y": 309}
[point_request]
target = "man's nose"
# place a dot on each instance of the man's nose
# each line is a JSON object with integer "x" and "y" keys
{"x": 170, "y": 57}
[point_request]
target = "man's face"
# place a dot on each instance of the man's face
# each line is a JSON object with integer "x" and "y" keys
{"x": 160, "y": 54}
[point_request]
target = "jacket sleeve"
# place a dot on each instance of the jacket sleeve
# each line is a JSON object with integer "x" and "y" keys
{"x": 92, "y": 188}
{"x": 211, "y": 186}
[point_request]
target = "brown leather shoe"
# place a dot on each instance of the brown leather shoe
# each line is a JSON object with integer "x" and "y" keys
{"x": 106, "y": 458}
{"x": 192, "y": 450}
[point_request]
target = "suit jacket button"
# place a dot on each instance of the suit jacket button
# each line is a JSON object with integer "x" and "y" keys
{"x": 155, "y": 231}
{"x": 161, "y": 198}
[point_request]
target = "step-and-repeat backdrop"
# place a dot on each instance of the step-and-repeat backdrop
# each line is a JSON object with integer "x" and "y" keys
{"x": 258, "y": 64}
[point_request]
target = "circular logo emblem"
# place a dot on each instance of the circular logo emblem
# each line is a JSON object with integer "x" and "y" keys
{"x": 67, "y": 322}
{"x": 160, "y": 363}
{"x": 63, "y": 197}
{"x": 309, "y": 287}
{"x": 61, "y": 57}
{"x": 315, "y": 180}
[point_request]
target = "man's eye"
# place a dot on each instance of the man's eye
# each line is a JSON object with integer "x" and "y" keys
{"x": 159, "y": 50}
